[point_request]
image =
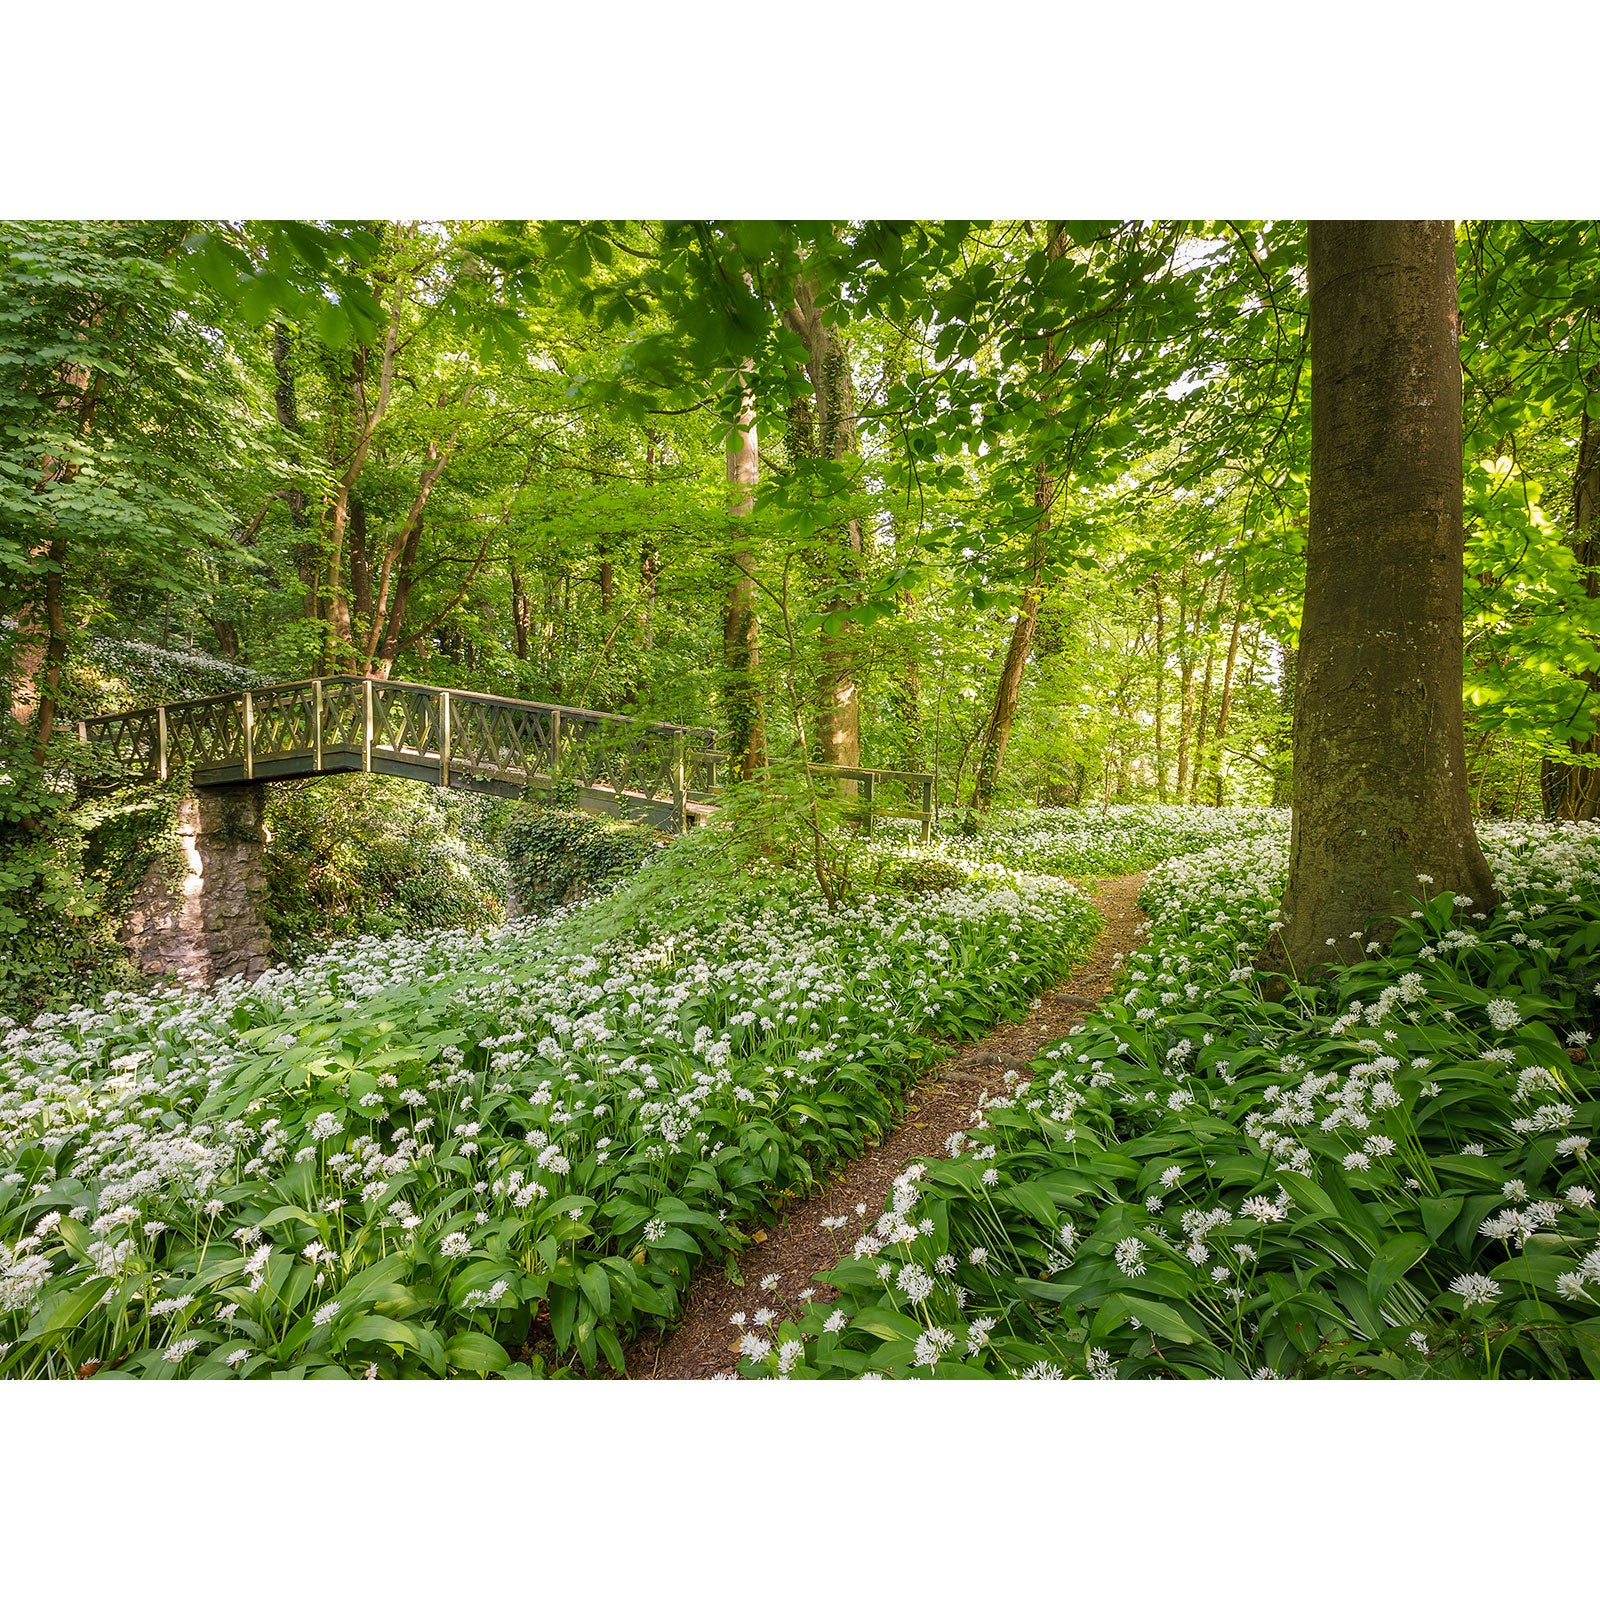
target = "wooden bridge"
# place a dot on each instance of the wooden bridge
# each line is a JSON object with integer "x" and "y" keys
{"x": 657, "y": 772}
{"x": 211, "y": 925}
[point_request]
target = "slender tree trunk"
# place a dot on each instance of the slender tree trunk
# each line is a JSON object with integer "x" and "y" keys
{"x": 741, "y": 638}
{"x": 55, "y": 653}
{"x": 371, "y": 409}
{"x": 394, "y": 623}
{"x": 835, "y": 438}
{"x": 1007, "y": 692}
{"x": 1161, "y": 685}
{"x": 1202, "y": 717}
{"x": 1185, "y": 694}
{"x": 521, "y": 610}
{"x": 284, "y": 402}
{"x": 1379, "y": 749}
{"x": 649, "y": 556}
{"x": 1225, "y": 706}
{"x": 1571, "y": 791}
{"x": 997, "y": 731}
{"x": 360, "y": 561}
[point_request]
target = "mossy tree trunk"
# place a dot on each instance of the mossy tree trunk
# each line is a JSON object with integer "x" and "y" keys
{"x": 1379, "y": 750}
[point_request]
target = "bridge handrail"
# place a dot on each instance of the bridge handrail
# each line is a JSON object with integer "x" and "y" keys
{"x": 432, "y": 745}
{"x": 480, "y": 695}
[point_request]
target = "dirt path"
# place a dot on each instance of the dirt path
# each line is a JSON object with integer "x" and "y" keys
{"x": 799, "y": 1247}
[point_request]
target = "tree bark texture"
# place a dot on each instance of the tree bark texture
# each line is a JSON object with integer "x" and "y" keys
{"x": 1379, "y": 750}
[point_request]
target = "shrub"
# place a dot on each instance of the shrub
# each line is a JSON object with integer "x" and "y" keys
{"x": 556, "y": 854}
{"x": 370, "y": 854}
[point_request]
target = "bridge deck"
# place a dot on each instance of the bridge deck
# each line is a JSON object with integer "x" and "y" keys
{"x": 656, "y": 772}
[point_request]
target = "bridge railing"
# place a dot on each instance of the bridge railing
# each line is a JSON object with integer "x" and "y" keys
{"x": 453, "y": 737}
{"x": 870, "y": 786}
{"x": 458, "y": 739}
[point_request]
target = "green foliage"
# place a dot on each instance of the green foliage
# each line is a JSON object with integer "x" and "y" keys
{"x": 55, "y": 946}
{"x": 1389, "y": 1174}
{"x": 378, "y": 855}
{"x": 556, "y": 854}
{"x": 477, "y": 1156}
{"x": 114, "y": 674}
{"x": 114, "y": 409}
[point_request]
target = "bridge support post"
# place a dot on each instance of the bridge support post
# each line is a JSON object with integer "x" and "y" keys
{"x": 205, "y": 922}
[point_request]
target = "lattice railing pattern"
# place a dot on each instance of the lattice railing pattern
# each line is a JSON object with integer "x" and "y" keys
{"x": 284, "y": 723}
{"x": 499, "y": 739}
{"x": 205, "y": 733}
{"x": 405, "y": 721}
{"x": 444, "y": 736}
{"x": 130, "y": 744}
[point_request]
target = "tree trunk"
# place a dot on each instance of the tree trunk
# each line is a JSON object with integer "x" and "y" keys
{"x": 997, "y": 732}
{"x": 394, "y": 625}
{"x": 1004, "y": 711}
{"x": 1225, "y": 705}
{"x": 1186, "y": 660}
{"x": 1161, "y": 685}
{"x": 1283, "y": 740}
{"x": 283, "y": 397}
{"x": 360, "y": 561}
{"x": 55, "y": 653}
{"x": 649, "y": 556}
{"x": 741, "y": 640}
{"x": 1379, "y": 746}
{"x": 521, "y": 611}
{"x": 1200, "y": 723}
{"x": 1570, "y": 791}
{"x": 831, "y": 433}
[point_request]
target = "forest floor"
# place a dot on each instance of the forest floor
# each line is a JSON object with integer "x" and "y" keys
{"x": 798, "y": 1247}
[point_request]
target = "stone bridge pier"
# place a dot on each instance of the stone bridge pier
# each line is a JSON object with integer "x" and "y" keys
{"x": 209, "y": 924}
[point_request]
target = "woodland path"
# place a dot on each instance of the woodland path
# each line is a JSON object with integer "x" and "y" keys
{"x": 798, "y": 1246}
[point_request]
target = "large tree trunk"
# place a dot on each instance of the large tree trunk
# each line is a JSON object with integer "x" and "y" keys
{"x": 741, "y": 646}
{"x": 1379, "y": 749}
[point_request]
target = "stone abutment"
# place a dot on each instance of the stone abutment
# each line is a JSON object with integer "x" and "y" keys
{"x": 208, "y": 923}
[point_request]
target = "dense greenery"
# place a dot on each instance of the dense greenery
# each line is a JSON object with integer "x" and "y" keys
{"x": 375, "y": 855}
{"x": 1021, "y": 505}
{"x": 557, "y": 853}
{"x": 1388, "y": 1174}
{"x": 424, "y": 1155}
{"x": 507, "y": 473}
